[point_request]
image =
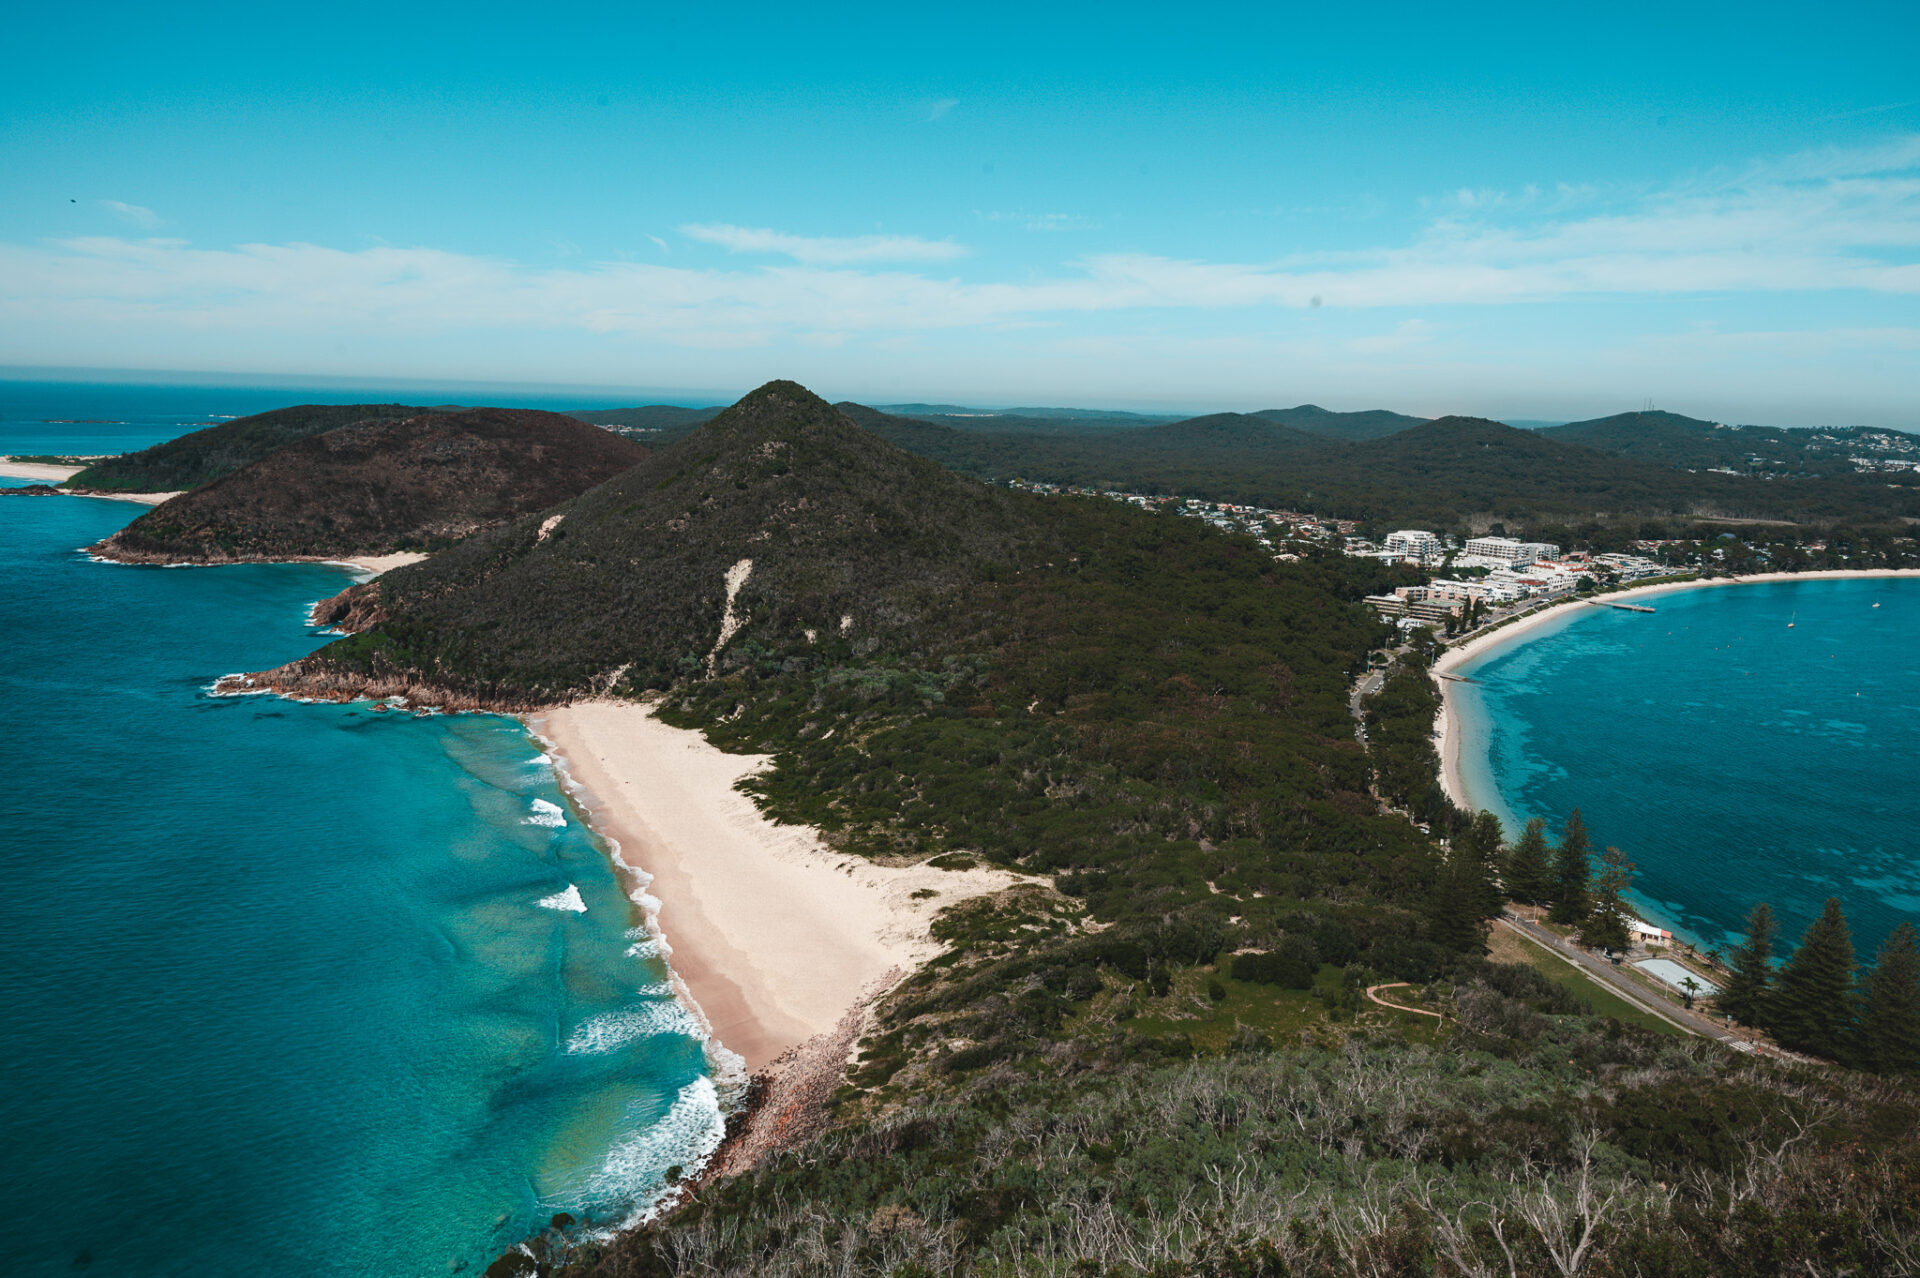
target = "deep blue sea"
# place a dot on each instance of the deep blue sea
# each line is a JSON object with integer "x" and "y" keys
{"x": 1734, "y": 757}
{"x": 293, "y": 988}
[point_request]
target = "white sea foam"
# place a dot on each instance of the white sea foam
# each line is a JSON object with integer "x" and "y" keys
{"x": 687, "y": 1134}
{"x": 611, "y": 1031}
{"x": 568, "y": 900}
{"x": 547, "y": 813}
{"x": 654, "y": 946}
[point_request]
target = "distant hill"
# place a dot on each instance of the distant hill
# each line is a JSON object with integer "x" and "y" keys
{"x": 1368, "y": 424}
{"x": 1688, "y": 443}
{"x": 1112, "y": 417}
{"x": 837, "y": 523}
{"x": 1306, "y": 417}
{"x": 669, "y": 421}
{"x": 206, "y": 455}
{"x": 1452, "y": 472}
{"x": 380, "y": 486}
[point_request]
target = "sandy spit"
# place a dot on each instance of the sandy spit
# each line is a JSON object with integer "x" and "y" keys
{"x": 1447, "y": 724}
{"x": 374, "y": 565}
{"x": 11, "y": 469}
{"x": 774, "y": 936}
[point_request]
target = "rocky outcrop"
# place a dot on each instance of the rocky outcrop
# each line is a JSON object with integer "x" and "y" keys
{"x": 354, "y": 609}
{"x": 308, "y": 681}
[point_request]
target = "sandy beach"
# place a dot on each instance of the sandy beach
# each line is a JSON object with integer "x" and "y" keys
{"x": 1447, "y": 725}
{"x": 45, "y": 474}
{"x": 374, "y": 565}
{"x": 773, "y": 935}
{"x": 11, "y": 469}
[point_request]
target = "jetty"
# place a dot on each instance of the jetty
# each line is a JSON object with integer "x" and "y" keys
{"x": 1623, "y": 607}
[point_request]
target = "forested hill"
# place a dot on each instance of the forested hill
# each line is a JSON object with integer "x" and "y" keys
{"x": 1452, "y": 472}
{"x": 1367, "y": 424}
{"x": 1155, "y": 714}
{"x": 379, "y": 486}
{"x": 206, "y": 455}
{"x": 667, "y": 421}
{"x": 1669, "y": 439}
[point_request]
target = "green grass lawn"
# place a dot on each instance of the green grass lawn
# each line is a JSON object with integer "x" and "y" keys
{"x": 1506, "y": 947}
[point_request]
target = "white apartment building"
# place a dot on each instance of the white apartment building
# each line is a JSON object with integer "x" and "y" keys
{"x": 1411, "y": 544}
{"x": 1508, "y": 550}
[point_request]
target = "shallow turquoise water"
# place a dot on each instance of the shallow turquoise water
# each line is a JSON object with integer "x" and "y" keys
{"x": 282, "y": 995}
{"x": 1734, "y": 758}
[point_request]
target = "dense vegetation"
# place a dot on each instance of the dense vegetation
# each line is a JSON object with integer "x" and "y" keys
{"x": 1454, "y": 472}
{"x": 1388, "y": 470}
{"x": 206, "y": 455}
{"x": 375, "y": 487}
{"x": 1166, "y": 1064}
{"x": 1311, "y": 418}
{"x": 1538, "y": 1142}
{"x": 1690, "y": 444}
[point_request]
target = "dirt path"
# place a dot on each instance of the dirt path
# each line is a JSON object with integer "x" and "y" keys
{"x": 1373, "y": 992}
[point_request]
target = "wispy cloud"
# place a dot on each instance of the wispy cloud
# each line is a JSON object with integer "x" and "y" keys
{"x": 135, "y": 214}
{"x": 1043, "y": 221}
{"x": 939, "y": 107}
{"x": 1824, "y": 221}
{"x": 824, "y": 250}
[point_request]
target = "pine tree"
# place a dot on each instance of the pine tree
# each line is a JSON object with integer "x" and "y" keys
{"x": 1812, "y": 1005}
{"x": 1606, "y": 927}
{"x": 1453, "y": 915}
{"x": 1571, "y": 868}
{"x": 1481, "y": 843}
{"x": 1890, "y": 1017}
{"x": 1745, "y": 998}
{"x": 1529, "y": 875}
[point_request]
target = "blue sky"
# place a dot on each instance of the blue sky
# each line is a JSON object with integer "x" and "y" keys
{"x": 1523, "y": 212}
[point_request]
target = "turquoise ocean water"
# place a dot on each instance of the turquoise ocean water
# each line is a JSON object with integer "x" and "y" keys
{"x": 290, "y": 988}
{"x": 1733, "y": 757}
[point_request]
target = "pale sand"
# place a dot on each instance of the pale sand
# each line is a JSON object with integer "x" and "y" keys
{"x": 1452, "y": 779}
{"x": 11, "y": 469}
{"x": 773, "y": 935}
{"x": 374, "y": 565}
{"x": 145, "y": 499}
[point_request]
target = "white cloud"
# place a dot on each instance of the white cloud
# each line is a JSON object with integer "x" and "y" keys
{"x": 938, "y": 108}
{"x": 822, "y": 250}
{"x": 1823, "y": 222}
{"x": 133, "y": 213}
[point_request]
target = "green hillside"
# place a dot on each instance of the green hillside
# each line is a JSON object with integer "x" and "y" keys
{"x": 380, "y": 486}
{"x": 206, "y": 455}
{"x": 1156, "y": 1066}
{"x": 1367, "y": 424}
{"x": 1669, "y": 439}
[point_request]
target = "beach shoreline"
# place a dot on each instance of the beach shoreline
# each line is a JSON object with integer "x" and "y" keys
{"x": 1448, "y": 725}
{"x": 772, "y": 936}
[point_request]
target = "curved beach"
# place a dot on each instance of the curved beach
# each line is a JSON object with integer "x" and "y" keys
{"x": 774, "y": 936}
{"x": 1449, "y": 725}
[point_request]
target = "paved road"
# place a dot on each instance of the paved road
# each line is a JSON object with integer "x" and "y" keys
{"x": 1617, "y": 982}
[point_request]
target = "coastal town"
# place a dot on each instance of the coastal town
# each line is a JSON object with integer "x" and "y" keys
{"x": 1468, "y": 577}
